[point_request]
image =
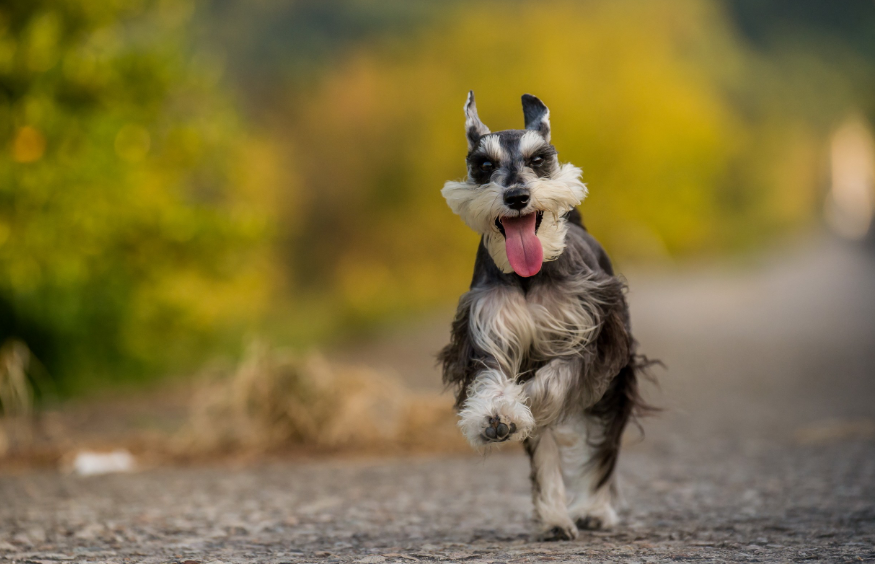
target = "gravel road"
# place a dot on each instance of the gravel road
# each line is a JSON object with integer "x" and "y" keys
{"x": 766, "y": 453}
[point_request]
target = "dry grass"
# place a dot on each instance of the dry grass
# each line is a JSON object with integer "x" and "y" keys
{"x": 16, "y": 397}
{"x": 272, "y": 403}
{"x": 275, "y": 400}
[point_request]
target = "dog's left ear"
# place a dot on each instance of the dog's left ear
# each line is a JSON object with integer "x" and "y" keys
{"x": 537, "y": 115}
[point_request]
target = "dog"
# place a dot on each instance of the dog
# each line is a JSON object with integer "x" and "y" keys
{"x": 541, "y": 349}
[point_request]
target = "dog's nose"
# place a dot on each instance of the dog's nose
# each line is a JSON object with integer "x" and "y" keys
{"x": 517, "y": 199}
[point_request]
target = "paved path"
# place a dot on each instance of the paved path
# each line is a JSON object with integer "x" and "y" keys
{"x": 766, "y": 453}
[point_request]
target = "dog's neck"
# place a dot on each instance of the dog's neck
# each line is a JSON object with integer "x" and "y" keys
{"x": 551, "y": 233}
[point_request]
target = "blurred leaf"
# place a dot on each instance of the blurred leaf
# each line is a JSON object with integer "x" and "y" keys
{"x": 129, "y": 245}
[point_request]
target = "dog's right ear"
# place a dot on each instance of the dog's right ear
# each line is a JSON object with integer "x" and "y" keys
{"x": 474, "y": 128}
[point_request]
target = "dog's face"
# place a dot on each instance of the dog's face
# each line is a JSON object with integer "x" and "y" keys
{"x": 516, "y": 192}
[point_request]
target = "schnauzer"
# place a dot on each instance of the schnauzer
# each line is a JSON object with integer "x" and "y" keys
{"x": 541, "y": 350}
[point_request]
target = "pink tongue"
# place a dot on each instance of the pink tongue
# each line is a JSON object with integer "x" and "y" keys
{"x": 522, "y": 245}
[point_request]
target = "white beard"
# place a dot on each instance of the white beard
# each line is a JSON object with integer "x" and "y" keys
{"x": 480, "y": 205}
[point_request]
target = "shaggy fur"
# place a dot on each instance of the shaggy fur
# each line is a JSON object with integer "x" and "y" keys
{"x": 548, "y": 359}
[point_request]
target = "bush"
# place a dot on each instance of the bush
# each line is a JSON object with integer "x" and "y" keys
{"x": 132, "y": 237}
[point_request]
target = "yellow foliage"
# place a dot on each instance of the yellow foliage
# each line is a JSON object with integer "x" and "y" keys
{"x": 29, "y": 145}
{"x": 135, "y": 231}
{"x": 641, "y": 97}
{"x": 145, "y": 224}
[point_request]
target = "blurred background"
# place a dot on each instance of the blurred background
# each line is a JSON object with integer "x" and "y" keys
{"x": 221, "y": 220}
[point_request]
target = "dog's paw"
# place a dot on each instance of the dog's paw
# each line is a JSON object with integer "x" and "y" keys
{"x": 589, "y": 523}
{"x": 497, "y": 427}
{"x": 493, "y": 413}
{"x": 597, "y": 520}
{"x": 498, "y": 430}
{"x": 557, "y": 533}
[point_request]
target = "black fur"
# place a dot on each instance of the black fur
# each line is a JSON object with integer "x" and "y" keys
{"x": 535, "y": 112}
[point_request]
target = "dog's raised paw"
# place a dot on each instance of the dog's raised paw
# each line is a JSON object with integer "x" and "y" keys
{"x": 494, "y": 412}
{"x": 497, "y": 430}
{"x": 558, "y": 533}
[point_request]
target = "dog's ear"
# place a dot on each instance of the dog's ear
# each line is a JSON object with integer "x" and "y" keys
{"x": 537, "y": 115}
{"x": 474, "y": 128}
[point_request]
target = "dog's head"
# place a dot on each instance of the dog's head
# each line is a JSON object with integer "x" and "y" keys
{"x": 516, "y": 193}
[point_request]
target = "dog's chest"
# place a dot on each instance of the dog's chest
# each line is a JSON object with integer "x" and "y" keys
{"x": 541, "y": 324}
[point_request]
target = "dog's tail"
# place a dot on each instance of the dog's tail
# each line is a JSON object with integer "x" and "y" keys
{"x": 621, "y": 404}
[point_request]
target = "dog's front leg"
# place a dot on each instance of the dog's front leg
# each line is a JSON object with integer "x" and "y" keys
{"x": 495, "y": 410}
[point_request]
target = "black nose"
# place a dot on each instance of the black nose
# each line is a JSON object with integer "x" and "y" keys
{"x": 517, "y": 199}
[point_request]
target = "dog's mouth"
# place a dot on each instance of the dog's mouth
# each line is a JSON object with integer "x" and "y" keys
{"x": 524, "y": 251}
{"x": 538, "y": 218}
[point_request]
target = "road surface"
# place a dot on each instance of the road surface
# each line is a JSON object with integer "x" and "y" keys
{"x": 765, "y": 453}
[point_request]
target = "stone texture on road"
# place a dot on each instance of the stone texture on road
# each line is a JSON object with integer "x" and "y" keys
{"x": 759, "y": 503}
{"x": 766, "y": 453}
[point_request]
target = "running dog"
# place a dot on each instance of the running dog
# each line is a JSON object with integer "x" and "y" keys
{"x": 541, "y": 349}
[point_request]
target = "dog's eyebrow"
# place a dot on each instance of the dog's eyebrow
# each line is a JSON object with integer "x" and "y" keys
{"x": 531, "y": 142}
{"x": 492, "y": 147}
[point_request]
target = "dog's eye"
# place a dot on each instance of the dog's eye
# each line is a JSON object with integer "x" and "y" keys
{"x": 487, "y": 167}
{"x": 537, "y": 161}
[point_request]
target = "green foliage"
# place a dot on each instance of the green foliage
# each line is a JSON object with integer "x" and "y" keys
{"x": 129, "y": 237}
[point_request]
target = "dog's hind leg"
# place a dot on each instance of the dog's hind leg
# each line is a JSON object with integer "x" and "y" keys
{"x": 548, "y": 488}
{"x": 591, "y": 494}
